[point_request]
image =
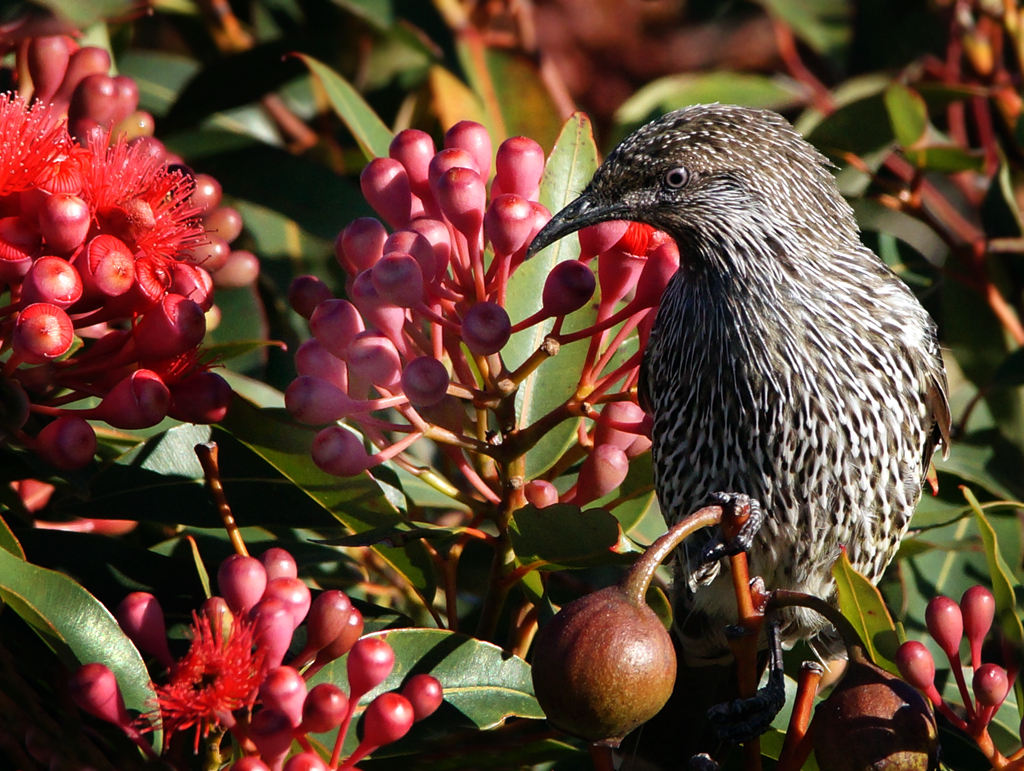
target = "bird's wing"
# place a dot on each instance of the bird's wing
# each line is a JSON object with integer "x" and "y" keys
{"x": 937, "y": 400}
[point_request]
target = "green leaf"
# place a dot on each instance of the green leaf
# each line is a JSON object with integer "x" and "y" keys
{"x": 675, "y": 91}
{"x": 946, "y": 159}
{"x": 564, "y": 536}
{"x": 83, "y": 13}
{"x": 860, "y": 127}
{"x": 370, "y": 132}
{"x": 483, "y": 685}
{"x": 636, "y": 493}
{"x": 75, "y": 625}
{"x": 908, "y": 114}
{"x": 825, "y": 25}
{"x": 570, "y": 166}
{"x": 1004, "y": 583}
{"x": 379, "y": 13}
{"x": 357, "y": 502}
{"x": 862, "y": 604}
{"x": 9, "y": 541}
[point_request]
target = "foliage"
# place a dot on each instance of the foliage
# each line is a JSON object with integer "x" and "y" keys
{"x": 285, "y": 103}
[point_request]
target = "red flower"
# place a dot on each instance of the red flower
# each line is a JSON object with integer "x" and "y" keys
{"x": 218, "y": 675}
{"x": 32, "y": 140}
{"x": 136, "y": 198}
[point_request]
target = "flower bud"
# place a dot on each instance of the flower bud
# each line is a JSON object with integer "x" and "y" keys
{"x": 202, "y": 398}
{"x": 387, "y": 719}
{"x": 373, "y": 360}
{"x": 439, "y": 238}
{"x": 485, "y": 328}
{"x": 293, "y": 593}
{"x": 43, "y": 332}
{"x": 172, "y": 327}
{"x": 305, "y": 761}
{"x": 339, "y": 452}
{"x": 473, "y": 138}
{"x": 414, "y": 243}
{"x": 47, "y": 59}
{"x": 306, "y": 293}
{"x": 425, "y": 381}
{"x": 52, "y": 280}
{"x": 241, "y": 269}
{"x": 979, "y": 609}
{"x": 273, "y": 628}
{"x": 241, "y": 581}
{"x": 360, "y": 245}
{"x": 378, "y": 312}
{"x": 916, "y": 665}
{"x": 990, "y": 685}
{"x": 414, "y": 149}
{"x": 508, "y": 223}
{"x": 601, "y": 237}
{"x": 142, "y": 619}
{"x": 68, "y": 443}
{"x": 223, "y": 222}
{"x": 424, "y": 693}
{"x": 385, "y": 185}
{"x": 279, "y": 563}
{"x": 602, "y": 471}
{"x": 461, "y": 194}
{"x": 206, "y": 194}
{"x": 519, "y": 165}
{"x": 369, "y": 663}
{"x": 398, "y": 279}
{"x": 945, "y": 624}
{"x": 313, "y": 359}
{"x": 285, "y": 690}
{"x": 64, "y": 221}
{"x": 324, "y": 708}
{"x": 94, "y": 689}
{"x": 335, "y": 324}
{"x": 271, "y": 731}
{"x": 569, "y": 286}
{"x": 541, "y": 493}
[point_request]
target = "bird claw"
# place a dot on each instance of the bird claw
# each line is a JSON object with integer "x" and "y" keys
{"x": 741, "y": 720}
{"x": 702, "y": 762}
{"x": 717, "y": 548}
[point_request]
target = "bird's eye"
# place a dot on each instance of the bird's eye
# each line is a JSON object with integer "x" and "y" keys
{"x": 676, "y": 178}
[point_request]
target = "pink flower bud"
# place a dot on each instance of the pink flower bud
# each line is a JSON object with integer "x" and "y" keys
{"x": 916, "y": 665}
{"x": 192, "y": 282}
{"x": 473, "y": 138}
{"x": 107, "y": 266}
{"x": 519, "y": 165}
{"x": 360, "y": 245}
{"x": 602, "y": 471}
{"x": 67, "y": 443}
{"x": 378, "y": 312}
{"x": 43, "y": 332}
{"x": 661, "y": 265}
{"x": 990, "y": 685}
{"x": 385, "y": 186}
{"x": 279, "y": 563}
{"x": 138, "y": 401}
{"x": 369, "y": 663}
{"x": 202, "y": 398}
{"x": 241, "y": 581}
{"x": 95, "y": 99}
{"x": 317, "y": 402}
{"x": 307, "y": 292}
{"x": 328, "y": 619}
{"x": 335, "y": 324}
{"x": 305, "y": 761}
{"x": 618, "y": 273}
{"x": 222, "y": 620}
{"x": 82, "y": 63}
{"x": 342, "y": 644}
{"x": 414, "y": 149}
{"x": 425, "y": 381}
{"x": 64, "y": 221}
{"x": 273, "y": 629}
{"x": 285, "y": 690}
{"x": 945, "y": 625}
{"x": 206, "y": 194}
{"x": 541, "y": 493}
{"x": 373, "y": 360}
{"x": 47, "y": 62}
{"x": 979, "y": 609}
{"x": 568, "y": 287}
{"x": 313, "y": 359}
{"x": 173, "y": 326}
{"x": 339, "y": 452}
{"x": 508, "y": 223}
{"x": 617, "y": 412}
{"x": 398, "y": 280}
{"x": 142, "y": 619}
{"x": 439, "y": 238}
{"x": 18, "y": 245}
{"x": 424, "y": 693}
{"x": 126, "y": 98}
{"x": 388, "y": 718}
{"x": 212, "y": 254}
{"x": 414, "y": 243}
{"x": 462, "y": 197}
{"x": 324, "y": 708}
{"x": 94, "y": 689}
{"x": 271, "y": 731}
{"x": 52, "y": 280}
{"x": 223, "y": 222}
{"x": 241, "y": 269}
{"x": 293, "y": 593}
{"x": 485, "y": 328}
{"x": 599, "y": 238}
{"x": 450, "y": 158}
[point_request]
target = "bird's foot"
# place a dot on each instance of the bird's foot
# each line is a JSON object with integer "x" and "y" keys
{"x": 741, "y": 720}
{"x": 702, "y": 762}
{"x": 736, "y": 506}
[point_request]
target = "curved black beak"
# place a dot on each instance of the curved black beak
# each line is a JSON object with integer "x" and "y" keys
{"x": 581, "y": 213}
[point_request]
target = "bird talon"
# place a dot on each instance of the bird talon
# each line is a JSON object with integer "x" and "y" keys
{"x": 741, "y": 720}
{"x": 718, "y": 548}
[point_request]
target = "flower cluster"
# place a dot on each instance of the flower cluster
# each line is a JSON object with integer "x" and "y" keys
{"x": 424, "y": 329}
{"x": 235, "y": 662}
{"x": 948, "y": 623}
{"x": 109, "y": 252}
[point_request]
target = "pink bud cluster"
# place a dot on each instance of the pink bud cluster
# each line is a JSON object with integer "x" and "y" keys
{"x": 235, "y": 663}
{"x": 416, "y": 349}
{"x": 948, "y": 624}
{"x": 109, "y": 253}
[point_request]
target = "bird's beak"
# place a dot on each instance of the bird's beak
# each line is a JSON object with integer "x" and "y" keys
{"x": 581, "y": 213}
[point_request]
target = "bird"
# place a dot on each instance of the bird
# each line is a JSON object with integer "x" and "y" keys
{"x": 787, "y": 362}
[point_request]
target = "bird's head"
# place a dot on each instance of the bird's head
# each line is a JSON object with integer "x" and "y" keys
{"x": 708, "y": 175}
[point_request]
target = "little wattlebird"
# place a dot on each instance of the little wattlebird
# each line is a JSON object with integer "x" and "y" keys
{"x": 787, "y": 362}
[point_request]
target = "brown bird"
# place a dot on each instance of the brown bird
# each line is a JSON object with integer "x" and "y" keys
{"x": 787, "y": 361}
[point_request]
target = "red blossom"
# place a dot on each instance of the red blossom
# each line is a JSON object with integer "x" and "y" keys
{"x": 217, "y": 676}
{"x": 31, "y": 141}
{"x": 138, "y": 199}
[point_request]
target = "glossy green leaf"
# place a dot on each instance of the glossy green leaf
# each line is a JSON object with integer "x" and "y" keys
{"x": 483, "y": 685}
{"x": 526, "y": 104}
{"x": 357, "y": 502}
{"x": 860, "y": 127}
{"x": 9, "y": 541}
{"x": 1004, "y": 582}
{"x": 569, "y": 167}
{"x": 674, "y": 91}
{"x": 636, "y": 492}
{"x": 77, "y": 627}
{"x": 862, "y": 604}
{"x": 825, "y": 25}
{"x": 370, "y": 132}
{"x": 946, "y": 159}
{"x": 83, "y": 13}
{"x": 379, "y": 13}
{"x": 564, "y": 536}
{"x": 908, "y": 114}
